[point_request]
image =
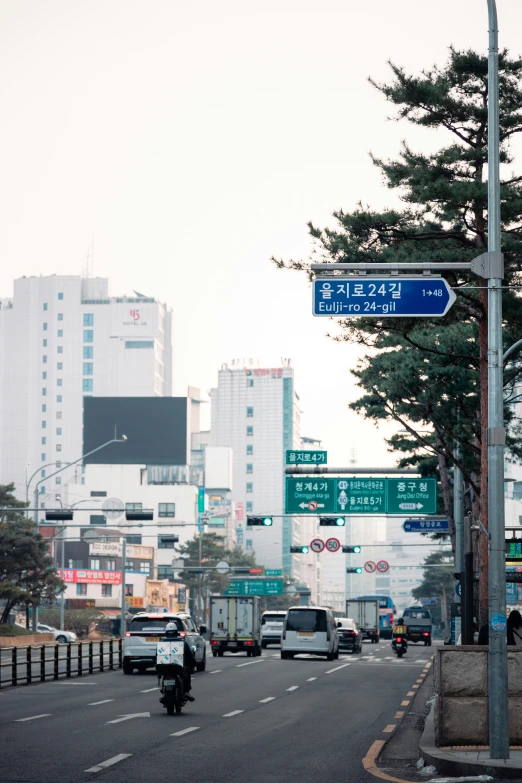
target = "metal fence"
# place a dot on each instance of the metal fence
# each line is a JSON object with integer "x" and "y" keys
{"x": 39, "y": 663}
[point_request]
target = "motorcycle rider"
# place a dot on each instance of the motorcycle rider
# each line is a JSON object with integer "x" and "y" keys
{"x": 399, "y": 629}
{"x": 189, "y": 661}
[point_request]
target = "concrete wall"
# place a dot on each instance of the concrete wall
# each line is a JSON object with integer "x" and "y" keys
{"x": 461, "y": 684}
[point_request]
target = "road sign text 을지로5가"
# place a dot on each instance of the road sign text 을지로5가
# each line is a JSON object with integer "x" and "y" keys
{"x": 385, "y": 297}
{"x": 364, "y": 495}
{"x": 300, "y": 457}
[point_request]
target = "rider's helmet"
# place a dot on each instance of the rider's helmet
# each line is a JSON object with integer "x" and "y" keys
{"x": 171, "y": 630}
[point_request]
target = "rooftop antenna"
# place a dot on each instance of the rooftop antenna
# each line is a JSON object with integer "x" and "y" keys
{"x": 88, "y": 261}
{"x": 353, "y": 456}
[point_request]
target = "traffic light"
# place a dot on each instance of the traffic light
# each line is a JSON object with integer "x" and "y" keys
{"x": 332, "y": 521}
{"x": 357, "y": 570}
{"x": 241, "y": 571}
{"x": 58, "y": 516}
{"x": 263, "y": 521}
{"x": 352, "y": 550}
{"x": 299, "y": 550}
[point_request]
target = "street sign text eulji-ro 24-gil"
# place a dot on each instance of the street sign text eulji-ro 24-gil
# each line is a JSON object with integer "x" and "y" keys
{"x": 383, "y": 297}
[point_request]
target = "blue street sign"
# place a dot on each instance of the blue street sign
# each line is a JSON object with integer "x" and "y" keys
{"x": 383, "y": 297}
{"x": 458, "y": 589}
{"x": 426, "y": 525}
{"x": 428, "y": 601}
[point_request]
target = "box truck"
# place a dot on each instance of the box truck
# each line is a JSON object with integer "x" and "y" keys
{"x": 235, "y": 624}
{"x": 365, "y": 613}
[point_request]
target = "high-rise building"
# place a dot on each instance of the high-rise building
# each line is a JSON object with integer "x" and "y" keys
{"x": 255, "y": 411}
{"x": 62, "y": 338}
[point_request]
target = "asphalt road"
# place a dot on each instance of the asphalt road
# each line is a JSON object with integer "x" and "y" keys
{"x": 254, "y": 720}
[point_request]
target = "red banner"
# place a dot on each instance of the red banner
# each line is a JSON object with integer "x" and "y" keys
{"x": 90, "y": 577}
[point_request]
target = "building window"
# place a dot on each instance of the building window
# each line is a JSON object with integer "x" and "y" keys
{"x": 249, "y": 486}
{"x": 87, "y": 385}
{"x": 60, "y": 332}
{"x": 60, "y": 349}
{"x": 60, "y": 296}
{"x": 97, "y": 519}
{"x": 250, "y": 412}
{"x": 133, "y": 506}
{"x": 250, "y": 431}
{"x": 250, "y": 382}
{"x": 58, "y": 447}
{"x": 58, "y": 414}
{"x": 106, "y": 591}
{"x": 58, "y": 479}
{"x": 87, "y": 368}
{"x": 45, "y": 327}
{"x": 111, "y": 565}
{"x": 145, "y": 568}
{"x": 88, "y": 351}
{"x": 45, "y": 305}
{"x": 42, "y": 492}
{"x": 166, "y": 572}
{"x": 81, "y": 589}
{"x": 250, "y": 449}
{"x": 59, "y": 365}
{"x": 59, "y": 382}
{"x": 249, "y": 506}
{"x": 42, "y": 474}
{"x": 88, "y": 319}
{"x": 166, "y": 542}
{"x": 75, "y": 563}
{"x": 95, "y": 565}
{"x": 166, "y": 509}
{"x": 98, "y": 494}
{"x": 44, "y": 375}
{"x": 58, "y": 464}
{"x": 58, "y": 430}
{"x": 43, "y": 441}
{"x": 129, "y": 589}
{"x": 45, "y": 343}
{"x": 58, "y": 398}
{"x": 43, "y": 457}
{"x": 60, "y": 316}
{"x": 517, "y": 490}
{"x": 44, "y": 424}
{"x": 88, "y": 335}
{"x": 129, "y": 565}
{"x": 139, "y": 344}
{"x": 44, "y": 408}
{"x": 134, "y": 538}
{"x": 249, "y": 467}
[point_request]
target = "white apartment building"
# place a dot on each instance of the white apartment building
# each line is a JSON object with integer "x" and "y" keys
{"x": 61, "y": 338}
{"x": 255, "y": 411}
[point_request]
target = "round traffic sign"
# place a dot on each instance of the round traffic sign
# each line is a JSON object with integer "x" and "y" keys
{"x": 113, "y": 508}
{"x": 312, "y": 505}
{"x": 382, "y": 566}
{"x": 333, "y": 545}
{"x": 370, "y": 567}
{"x": 317, "y": 545}
{"x": 222, "y": 567}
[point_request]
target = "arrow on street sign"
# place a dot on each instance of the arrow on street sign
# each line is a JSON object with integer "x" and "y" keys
{"x": 370, "y": 567}
{"x": 317, "y": 545}
{"x": 311, "y": 506}
{"x": 424, "y": 525}
{"x": 410, "y": 506}
{"x": 129, "y": 717}
{"x": 384, "y": 297}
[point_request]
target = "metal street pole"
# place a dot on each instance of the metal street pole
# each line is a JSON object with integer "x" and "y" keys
{"x": 467, "y": 585}
{"x": 123, "y": 625}
{"x": 62, "y": 602}
{"x": 497, "y": 650}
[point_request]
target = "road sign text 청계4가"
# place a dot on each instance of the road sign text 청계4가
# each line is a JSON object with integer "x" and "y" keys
{"x": 385, "y": 297}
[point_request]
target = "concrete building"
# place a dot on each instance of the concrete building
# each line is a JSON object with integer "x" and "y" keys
{"x": 255, "y": 412}
{"x": 62, "y": 338}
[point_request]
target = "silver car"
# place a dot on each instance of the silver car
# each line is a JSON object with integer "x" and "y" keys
{"x": 145, "y": 631}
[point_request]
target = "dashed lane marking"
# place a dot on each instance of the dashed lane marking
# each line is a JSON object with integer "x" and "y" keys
{"x": 95, "y": 703}
{"x": 216, "y": 671}
{"x": 231, "y": 714}
{"x": 330, "y": 671}
{"x": 399, "y": 714}
{"x": 268, "y": 698}
{"x": 294, "y": 687}
{"x": 410, "y": 693}
{"x": 33, "y": 717}
{"x": 109, "y": 762}
{"x": 149, "y": 690}
{"x": 250, "y": 663}
{"x": 185, "y": 731}
{"x": 311, "y": 679}
{"x": 404, "y": 703}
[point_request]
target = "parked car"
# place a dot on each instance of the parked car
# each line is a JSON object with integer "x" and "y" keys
{"x": 59, "y": 636}
{"x": 350, "y": 635}
{"x": 145, "y": 631}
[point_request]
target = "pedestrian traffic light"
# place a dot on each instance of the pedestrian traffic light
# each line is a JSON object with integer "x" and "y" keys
{"x": 332, "y": 521}
{"x": 301, "y": 550}
{"x": 352, "y": 550}
{"x": 357, "y": 570}
{"x": 266, "y": 521}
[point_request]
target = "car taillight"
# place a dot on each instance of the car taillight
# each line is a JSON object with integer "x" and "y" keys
{"x": 127, "y": 634}
{"x": 182, "y": 634}
{"x": 351, "y": 633}
{"x": 398, "y": 639}
{"x": 214, "y": 642}
{"x": 391, "y": 619}
{"x": 426, "y": 633}
{"x": 284, "y": 633}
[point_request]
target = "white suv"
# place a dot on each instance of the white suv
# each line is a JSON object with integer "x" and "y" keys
{"x": 145, "y": 631}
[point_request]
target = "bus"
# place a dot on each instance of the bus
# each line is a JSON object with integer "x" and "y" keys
{"x": 387, "y": 611}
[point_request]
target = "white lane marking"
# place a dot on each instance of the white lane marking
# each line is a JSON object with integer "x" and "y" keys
{"x": 231, "y": 714}
{"x": 33, "y": 717}
{"x": 149, "y": 690}
{"x": 109, "y": 762}
{"x": 270, "y": 698}
{"x": 130, "y": 717}
{"x": 250, "y": 663}
{"x": 311, "y": 679}
{"x": 330, "y": 671}
{"x": 366, "y": 656}
{"x": 94, "y": 703}
{"x": 185, "y": 731}
{"x": 293, "y": 688}
{"x": 68, "y": 682}
{"x": 216, "y": 671}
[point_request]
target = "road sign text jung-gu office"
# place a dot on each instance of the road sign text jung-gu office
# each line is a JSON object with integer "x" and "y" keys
{"x": 360, "y": 495}
{"x": 383, "y": 297}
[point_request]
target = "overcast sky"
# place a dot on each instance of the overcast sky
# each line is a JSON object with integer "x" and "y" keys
{"x": 192, "y": 141}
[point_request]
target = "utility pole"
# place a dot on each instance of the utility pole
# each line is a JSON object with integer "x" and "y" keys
{"x": 123, "y": 624}
{"x": 496, "y": 435}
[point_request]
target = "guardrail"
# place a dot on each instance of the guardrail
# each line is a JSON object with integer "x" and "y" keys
{"x": 39, "y": 663}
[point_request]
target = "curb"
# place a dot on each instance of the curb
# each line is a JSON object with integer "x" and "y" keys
{"x": 448, "y": 763}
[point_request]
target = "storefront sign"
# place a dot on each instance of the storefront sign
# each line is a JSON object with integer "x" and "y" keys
{"x": 90, "y": 577}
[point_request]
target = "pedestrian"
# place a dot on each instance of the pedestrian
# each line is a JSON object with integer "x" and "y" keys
{"x": 483, "y": 637}
{"x": 514, "y": 628}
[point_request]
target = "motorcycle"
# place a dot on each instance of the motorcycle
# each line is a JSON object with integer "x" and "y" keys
{"x": 171, "y": 681}
{"x": 399, "y": 645}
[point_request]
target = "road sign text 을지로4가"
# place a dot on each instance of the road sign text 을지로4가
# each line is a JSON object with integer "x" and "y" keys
{"x": 383, "y": 297}
{"x": 300, "y": 457}
{"x": 362, "y": 495}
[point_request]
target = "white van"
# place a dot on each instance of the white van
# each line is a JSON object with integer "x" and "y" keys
{"x": 272, "y": 627}
{"x": 310, "y": 629}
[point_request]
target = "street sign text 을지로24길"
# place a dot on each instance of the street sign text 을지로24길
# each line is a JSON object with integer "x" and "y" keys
{"x": 366, "y": 495}
{"x": 383, "y": 297}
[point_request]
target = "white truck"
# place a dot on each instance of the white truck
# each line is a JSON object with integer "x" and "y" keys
{"x": 365, "y": 613}
{"x": 235, "y": 624}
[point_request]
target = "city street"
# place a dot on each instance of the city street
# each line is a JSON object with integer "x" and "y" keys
{"x": 259, "y": 719}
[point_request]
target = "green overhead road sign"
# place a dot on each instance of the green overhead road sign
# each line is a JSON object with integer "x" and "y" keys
{"x": 294, "y": 457}
{"x": 255, "y": 587}
{"x": 273, "y": 572}
{"x": 364, "y": 495}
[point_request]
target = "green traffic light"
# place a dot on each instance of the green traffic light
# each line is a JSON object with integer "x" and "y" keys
{"x": 357, "y": 549}
{"x": 267, "y": 521}
{"x": 339, "y": 521}
{"x": 358, "y": 570}
{"x": 305, "y": 550}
